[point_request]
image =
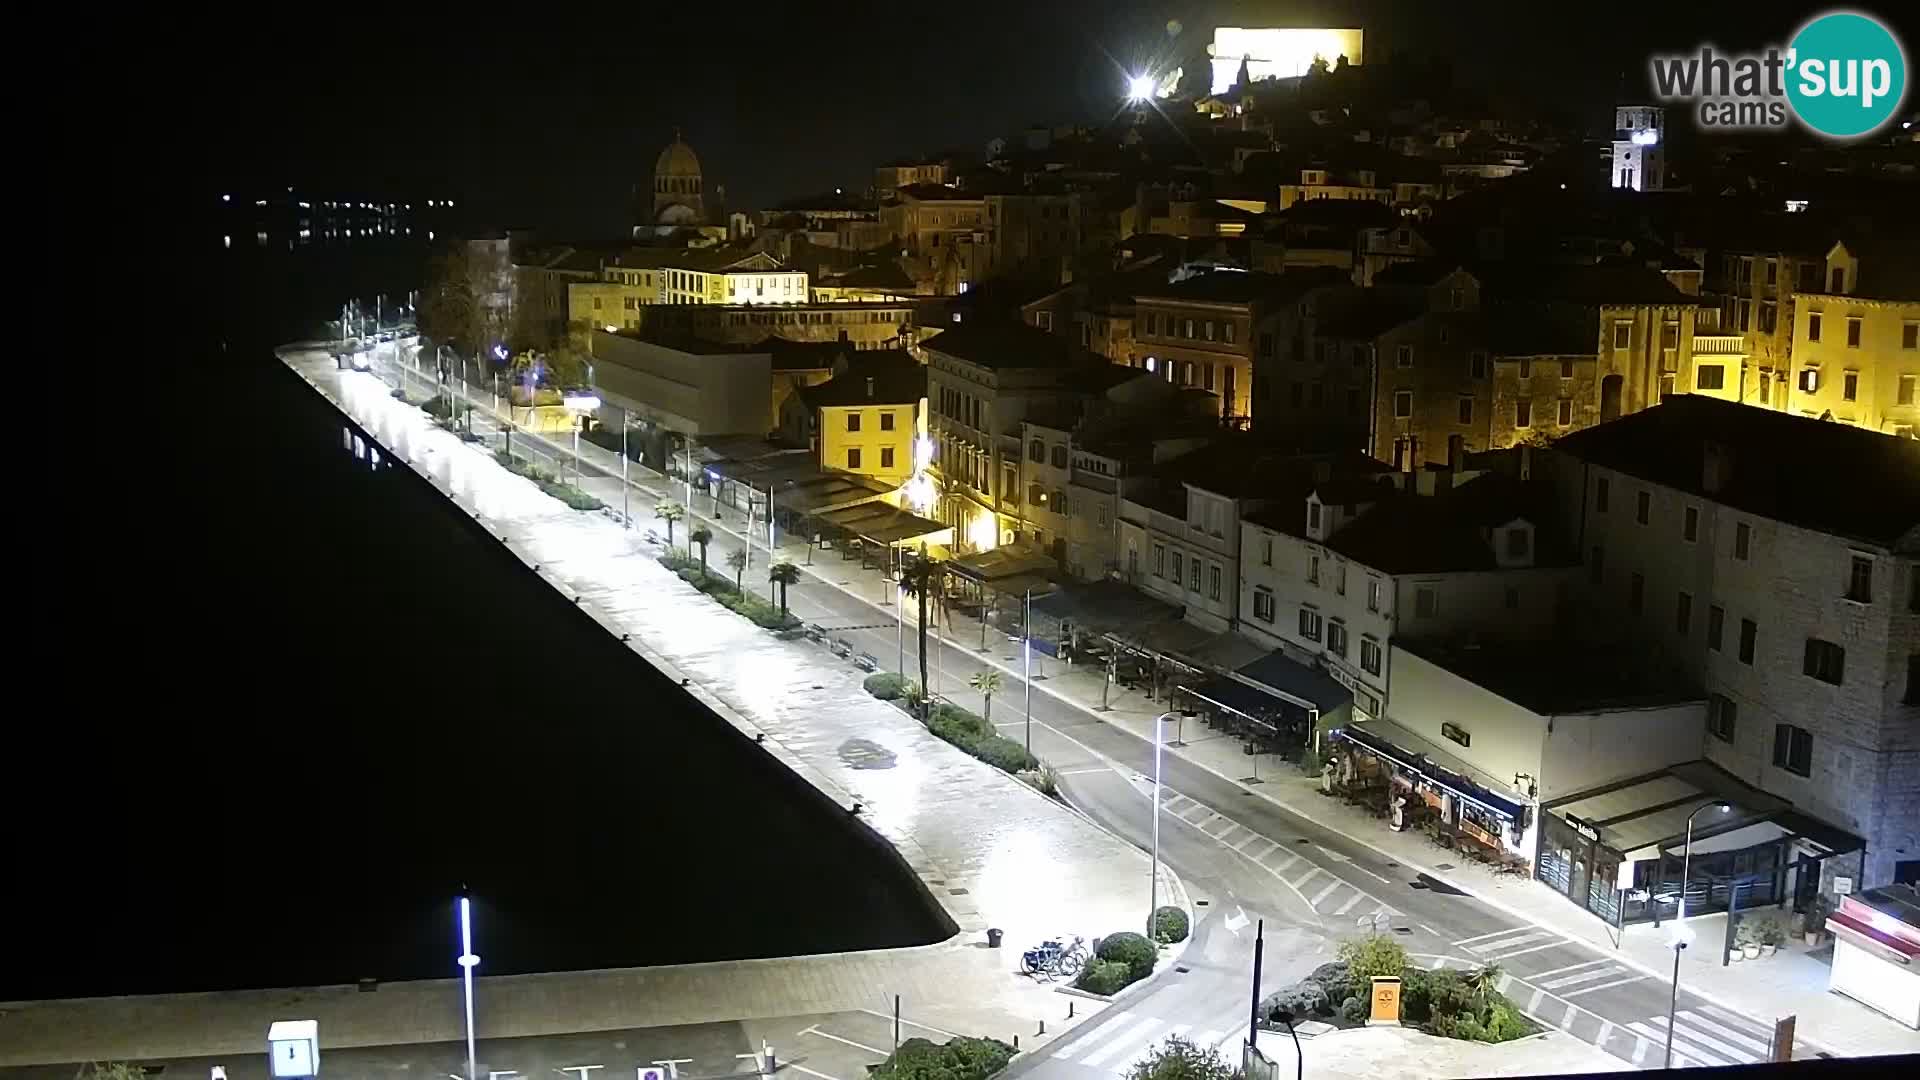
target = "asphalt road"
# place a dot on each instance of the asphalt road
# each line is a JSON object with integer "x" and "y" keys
{"x": 1237, "y": 852}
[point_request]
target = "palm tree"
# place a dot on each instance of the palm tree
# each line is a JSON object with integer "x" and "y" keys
{"x": 669, "y": 512}
{"x": 919, "y": 580}
{"x": 988, "y": 683}
{"x": 783, "y": 574}
{"x": 703, "y": 536}
{"x": 738, "y": 560}
{"x": 1484, "y": 981}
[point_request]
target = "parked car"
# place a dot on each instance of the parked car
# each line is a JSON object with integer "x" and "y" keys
{"x": 840, "y": 647}
{"x": 866, "y": 662}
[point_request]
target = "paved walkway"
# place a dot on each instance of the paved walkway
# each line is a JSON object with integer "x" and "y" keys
{"x": 1790, "y": 983}
{"x": 990, "y": 849}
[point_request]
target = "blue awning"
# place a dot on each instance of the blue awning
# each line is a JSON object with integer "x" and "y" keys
{"x": 1244, "y": 701}
{"x": 1444, "y": 779}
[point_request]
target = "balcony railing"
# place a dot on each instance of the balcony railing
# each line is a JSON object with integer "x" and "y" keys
{"x": 1719, "y": 344}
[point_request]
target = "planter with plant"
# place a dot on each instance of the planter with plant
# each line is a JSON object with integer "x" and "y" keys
{"x": 1772, "y": 933}
{"x": 1746, "y": 940}
{"x": 1816, "y": 925}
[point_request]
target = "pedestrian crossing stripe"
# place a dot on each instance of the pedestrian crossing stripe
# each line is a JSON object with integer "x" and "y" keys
{"x": 1117, "y": 1045}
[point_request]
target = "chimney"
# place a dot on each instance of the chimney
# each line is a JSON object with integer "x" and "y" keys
{"x": 1716, "y": 467}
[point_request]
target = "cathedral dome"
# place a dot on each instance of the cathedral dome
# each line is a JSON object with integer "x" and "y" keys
{"x": 678, "y": 159}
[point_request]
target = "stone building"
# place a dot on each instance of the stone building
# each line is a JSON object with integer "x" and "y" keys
{"x": 1742, "y": 547}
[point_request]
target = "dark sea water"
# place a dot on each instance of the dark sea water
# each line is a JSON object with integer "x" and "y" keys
{"x": 300, "y": 703}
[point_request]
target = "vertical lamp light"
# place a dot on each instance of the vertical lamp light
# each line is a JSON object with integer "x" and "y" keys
{"x": 468, "y": 961}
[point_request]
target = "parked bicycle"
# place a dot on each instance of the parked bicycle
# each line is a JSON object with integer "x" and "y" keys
{"x": 1054, "y": 959}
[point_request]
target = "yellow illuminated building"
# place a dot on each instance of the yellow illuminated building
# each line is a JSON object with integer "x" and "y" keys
{"x": 1272, "y": 53}
{"x": 869, "y": 419}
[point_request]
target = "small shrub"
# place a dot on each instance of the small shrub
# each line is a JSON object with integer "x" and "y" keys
{"x": 1416, "y": 1001}
{"x": 1043, "y": 780}
{"x": 1300, "y": 1000}
{"x": 885, "y": 685}
{"x": 1131, "y": 949}
{"x": 1504, "y": 1023}
{"x": 1104, "y": 977}
{"x": 961, "y": 1058}
{"x": 1354, "y": 1010}
{"x": 1003, "y": 754}
{"x": 1180, "y": 1059}
{"x": 1370, "y": 956}
{"x": 1170, "y": 925}
{"x": 438, "y": 407}
{"x": 399, "y": 394}
{"x": 1333, "y": 974}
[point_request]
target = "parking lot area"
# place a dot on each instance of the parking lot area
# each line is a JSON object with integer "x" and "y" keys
{"x": 836, "y": 1046}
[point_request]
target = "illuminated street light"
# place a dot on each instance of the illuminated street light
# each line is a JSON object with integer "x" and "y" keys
{"x": 1153, "y": 880}
{"x": 579, "y": 404}
{"x": 468, "y": 961}
{"x": 1682, "y": 934}
{"x": 1140, "y": 87}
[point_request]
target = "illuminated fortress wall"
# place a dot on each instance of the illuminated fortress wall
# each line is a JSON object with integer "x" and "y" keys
{"x": 1273, "y": 53}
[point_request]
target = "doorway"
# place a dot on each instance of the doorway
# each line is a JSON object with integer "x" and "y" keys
{"x": 1610, "y": 390}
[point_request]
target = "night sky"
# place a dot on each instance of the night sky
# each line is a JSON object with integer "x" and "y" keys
{"x": 545, "y": 115}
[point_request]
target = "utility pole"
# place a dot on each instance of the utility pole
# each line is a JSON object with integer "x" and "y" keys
{"x": 1259, "y": 951}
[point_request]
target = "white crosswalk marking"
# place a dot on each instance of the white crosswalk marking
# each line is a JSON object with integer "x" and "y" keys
{"x": 1326, "y": 892}
{"x": 1349, "y": 905}
{"x": 1681, "y": 1045}
{"x": 1510, "y": 953}
{"x": 1306, "y": 877}
{"x": 1127, "y": 1039}
{"x": 1607, "y": 972}
{"x": 1251, "y": 839}
{"x": 1509, "y": 939}
{"x": 1712, "y": 1036}
{"x": 1741, "y": 1036}
{"x": 1641, "y": 1046}
{"x": 1603, "y": 986}
{"x": 1569, "y": 967}
{"x": 1606, "y": 1032}
{"x": 1292, "y": 857}
{"x": 1126, "y": 1064}
{"x": 1486, "y": 937}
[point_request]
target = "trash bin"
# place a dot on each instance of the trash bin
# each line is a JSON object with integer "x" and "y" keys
{"x": 993, "y": 937}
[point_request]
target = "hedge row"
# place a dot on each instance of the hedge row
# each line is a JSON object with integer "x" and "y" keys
{"x": 547, "y": 482}
{"x": 971, "y": 733}
{"x": 721, "y": 588}
{"x": 959, "y": 1058}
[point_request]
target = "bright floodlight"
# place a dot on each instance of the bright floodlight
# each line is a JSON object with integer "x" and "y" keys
{"x": 500, "y": 351}
{"x": 1140, "y": 88}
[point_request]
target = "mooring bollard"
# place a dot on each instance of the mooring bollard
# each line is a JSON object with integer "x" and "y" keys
{"x": 1042, "y": 1031}
{"x": 1069, "y": 1008}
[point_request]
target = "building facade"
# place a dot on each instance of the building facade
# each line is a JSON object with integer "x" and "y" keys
{"x": 1856, "y": 347}
{"x": 1732, "y": 541}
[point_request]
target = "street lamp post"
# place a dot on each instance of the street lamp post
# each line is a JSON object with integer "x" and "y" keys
{"x": 1682, "y": 937}
{"x": 1026, "y": 650}
{"x": 468, "y": 961}
{"x": 1153, "y": 881}
{"x": 626, "y": 519}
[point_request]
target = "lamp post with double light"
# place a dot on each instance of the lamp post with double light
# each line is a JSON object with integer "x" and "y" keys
{"x": 1682, "y": 936}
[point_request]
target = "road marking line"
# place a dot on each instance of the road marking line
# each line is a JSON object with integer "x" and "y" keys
{"x": 1241, "y": 847}
{"x": 1735, "y": 1020}
{"x": 1523, "y": 952}
{"x": 1326, "y": 892}
{"x": 1606, "y": 1032}
{"x": 1640, "y": 1048}
{"x": 1533, "y": 1003}
{"x": 1078, "y": 772}
{"x": 1222, "y": 835}
{"x": 1182, "y": 815}
{"x": 804, "y": 1069}
{"x": 1292, "y": 857}
{"x": 911, "y": 1023}
{"x": 1125, "y": 1066}
{"x": 1603, "y": 986}
{"x": 1439, "y": 962}
{"x": 1130, "y": 1037}
{"x": 1696, "y": 1019}
{"x": 849, "y": 1042}
{"x": 1566, "y": 1022}
{"x": 1495, "y": 934}
{"x": 1349, "y": 905}
{"x": 1570, "y": 967}
{"x": 1586, "y": 976}
{"x": 1680, "y": 1045}
{"x": 1705, "y": 1037}
{"x": 1306, "y": 877}
{"x": 1530, "y": 935}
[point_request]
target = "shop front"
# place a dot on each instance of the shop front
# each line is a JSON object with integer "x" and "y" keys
{"x": 1414, "y": 785}
{"x": 1622, "y": 851}
{"x": 1876, "y": 951}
